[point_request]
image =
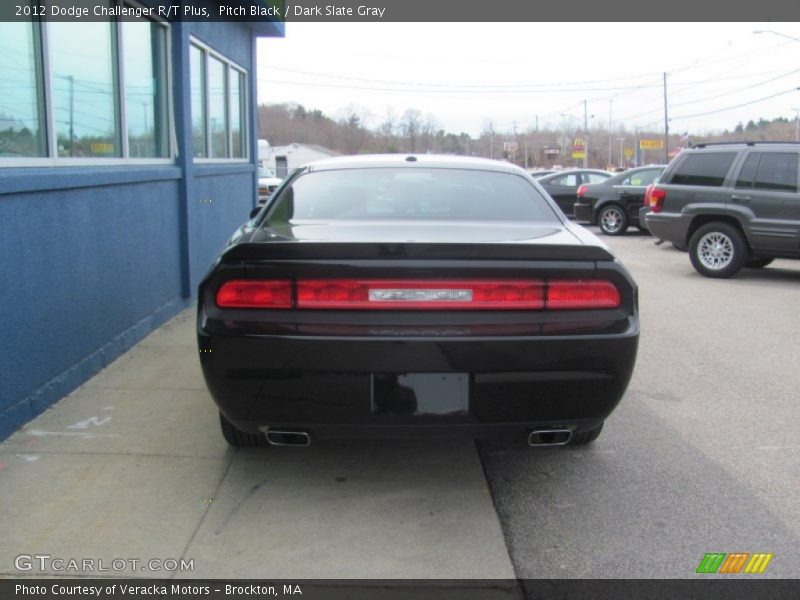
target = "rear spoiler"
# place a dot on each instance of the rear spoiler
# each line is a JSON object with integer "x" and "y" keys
{"x": 283, "y": 250}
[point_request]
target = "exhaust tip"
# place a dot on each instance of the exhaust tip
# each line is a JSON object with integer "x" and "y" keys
{"x": 549, "y": 437}
{"x": 288, "y": 438}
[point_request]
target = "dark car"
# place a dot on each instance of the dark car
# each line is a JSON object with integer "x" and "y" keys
{"x": 732, "y": 205}
{"x": 420, "y": 295}
{"x": 563, "y": 185}
{"x": 614, "y": 204}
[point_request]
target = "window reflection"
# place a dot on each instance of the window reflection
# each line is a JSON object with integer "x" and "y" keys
{"x": 22, "y": 131}
{"x": 144, "y": 52}
{"x": 198, "y": 84}
{"x": 237, "y": 114}
{"x": 83, "y": 89}
{"x": 217, "y": 113}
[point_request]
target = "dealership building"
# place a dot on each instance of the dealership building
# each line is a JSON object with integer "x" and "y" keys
{"x": 127, "y": 158}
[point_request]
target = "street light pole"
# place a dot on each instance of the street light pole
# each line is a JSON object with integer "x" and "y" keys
{"x": 585, "y": 135}
{"x": 609, "y": 133}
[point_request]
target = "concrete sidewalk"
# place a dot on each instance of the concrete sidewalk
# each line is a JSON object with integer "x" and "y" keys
{"x": 132, "y": 466}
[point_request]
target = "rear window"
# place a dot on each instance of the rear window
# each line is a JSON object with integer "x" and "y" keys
{"x": 410, "y": 193}
{"x": 707, "y": 169}
{"x": 775, "y": 171}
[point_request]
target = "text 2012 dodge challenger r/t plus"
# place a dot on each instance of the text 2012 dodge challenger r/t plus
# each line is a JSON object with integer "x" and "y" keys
{"x": 415, "y": 296}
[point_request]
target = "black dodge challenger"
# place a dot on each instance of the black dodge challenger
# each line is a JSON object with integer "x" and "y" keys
{"x": 388, "y": 296}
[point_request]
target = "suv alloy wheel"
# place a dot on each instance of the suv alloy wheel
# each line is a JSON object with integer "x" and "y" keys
{"x": 718, "y": 250}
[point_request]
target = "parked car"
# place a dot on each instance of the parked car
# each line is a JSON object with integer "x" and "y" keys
{"x": 267, "y": 183}
{"x": 419, "y": 295}
{"x": 536, "y": 173}
{"x": 614, "y": 204}
{"x": 563, "y": 186}
{"x": 733, "y": 205}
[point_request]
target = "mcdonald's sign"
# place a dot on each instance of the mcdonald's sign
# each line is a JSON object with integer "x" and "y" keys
{"x": 732, "y": 563}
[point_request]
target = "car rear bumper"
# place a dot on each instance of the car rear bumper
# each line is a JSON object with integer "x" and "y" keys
{"x": 584, "y": 213}
{"x": 671, "y": 227}
{"x": 342, "y": 386}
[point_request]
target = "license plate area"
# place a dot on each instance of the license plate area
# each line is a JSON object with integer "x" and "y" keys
{"x": 418, "y": 394}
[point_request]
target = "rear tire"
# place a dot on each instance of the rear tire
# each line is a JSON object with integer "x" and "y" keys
{"x": 612, "y": 220}
{"x": 586, "y": 437}
{"x": 238, "y": 438}
{"x": 718, "y": 250}
{"x": 758, "y": 262}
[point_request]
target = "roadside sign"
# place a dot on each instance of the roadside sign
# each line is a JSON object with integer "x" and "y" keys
{"x": 628, "y": 152}
{"x": 578, "y": 154}
{"x": 651, "y": 144}
{"x": 579, "y": 144}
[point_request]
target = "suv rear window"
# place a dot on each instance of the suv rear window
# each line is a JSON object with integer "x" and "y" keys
{"x": 705, "y": 168}
{"x": 775, "y": 171}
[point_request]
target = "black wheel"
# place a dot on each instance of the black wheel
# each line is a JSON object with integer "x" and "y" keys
{"x": 238, "y": 438}
{"x": 718, "y": 250}
{"x": 612, "y": 220}
{"x": 758, "y": 262}
{"x": 586, "y": 437}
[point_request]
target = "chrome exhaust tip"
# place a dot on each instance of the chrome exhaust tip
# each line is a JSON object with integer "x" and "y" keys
{"x": 549, "y": 437}
{"x": 288, "y": 438}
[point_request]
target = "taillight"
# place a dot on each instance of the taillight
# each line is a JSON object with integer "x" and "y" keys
{"x": 252, "y": 293}
{"x": 404, "y": 294}
{"x": 581, "y": 191}
{"x": 418, "y": 294}
{"x": 654, "y": 198}
{"x": 564, "y": 295}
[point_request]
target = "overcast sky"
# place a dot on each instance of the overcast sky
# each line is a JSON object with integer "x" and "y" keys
{"x": 468, "y": 74}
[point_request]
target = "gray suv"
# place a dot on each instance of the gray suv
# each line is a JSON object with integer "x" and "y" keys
{"x": 733, "y": 205}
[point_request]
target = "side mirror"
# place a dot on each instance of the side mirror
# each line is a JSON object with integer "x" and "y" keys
{"x": 254, "y": 212}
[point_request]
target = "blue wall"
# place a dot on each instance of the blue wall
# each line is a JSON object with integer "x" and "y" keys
{"x": 96, "y": 257}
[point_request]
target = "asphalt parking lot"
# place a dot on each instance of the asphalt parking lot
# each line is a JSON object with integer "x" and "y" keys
{"x": 703, "y": 455}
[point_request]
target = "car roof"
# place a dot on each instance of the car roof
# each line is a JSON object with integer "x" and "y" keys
{"x": 568, "y": 171}
{"x": 441, "y": 161}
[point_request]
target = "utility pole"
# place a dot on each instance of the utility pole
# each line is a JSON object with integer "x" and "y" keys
{"x": 796, "y": 124}
{"x": 621, "y": 160}
{"x": 526, "y": 154}
{"x": 71, "y": 115}
{"x": 609, "y": 134}
{"x": 666, "y": 123}
{"x": 585, "y": 135}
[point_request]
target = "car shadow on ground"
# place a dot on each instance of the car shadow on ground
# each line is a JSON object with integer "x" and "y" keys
{"x": 621, "y": 508}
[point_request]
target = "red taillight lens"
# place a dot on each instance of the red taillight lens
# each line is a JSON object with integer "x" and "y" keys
{"x": 654, "y": 197}
{"x": 581, "y": 191}
{"x": 244, "y": 293}
{"x": 407, "y": 294}
{"x": 565, "y": 295}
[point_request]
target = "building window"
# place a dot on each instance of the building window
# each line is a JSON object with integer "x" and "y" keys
{"x": 218, "y": 107}
{"x": 22, "y": 131}
{"x": 238, "y": 111}
{"x": 197, "y": 67}
{"x": 84, "y": 90}
{"x": 144, "y": 45}
{"x": 218, "y": 86}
